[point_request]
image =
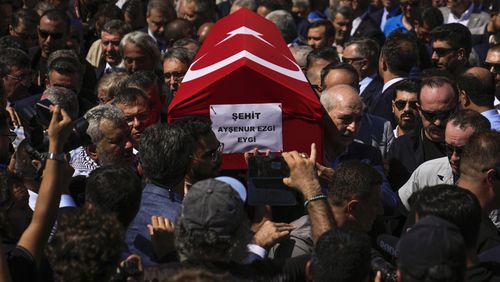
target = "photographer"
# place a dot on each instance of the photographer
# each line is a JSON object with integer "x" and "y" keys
{"x": 23, "y": 257}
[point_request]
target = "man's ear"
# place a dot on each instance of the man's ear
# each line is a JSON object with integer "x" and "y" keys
{"x": 47, "y": 83}
{"x": 461, "y": 54}
{"x": 352, "y": 206}
{"x": 309, "y": 270}
{"x": 463, "y": 99}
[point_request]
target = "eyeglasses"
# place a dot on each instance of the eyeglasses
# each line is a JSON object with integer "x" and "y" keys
{"x": 493, "y": 66}
{"x": 175, "y": 74}
{"x": 450, "y": 149}
{"x": 24, "y": 77}
{"x": 11, "y": 135}
{"x": 443, "y": 51}
{"x": 401, "y": 104}
{"x": 54, "y": 35}
{"x": 432, "y": 116}
{"x": 351, "y": 61}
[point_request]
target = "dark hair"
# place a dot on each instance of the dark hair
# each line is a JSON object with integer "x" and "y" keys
{"x": 26, "y": 16}
{"x": 480, "y": 92}
{"x": 115, "y": 190}
{"x": 432, "y": 17}
{"x": 329, "y": 29}
{"x": 400, "y": 53}
{"x": 457, "y": 35}
{"x": 454, "y": 204}
{"x": 340, "y": 66}
{"x": 129, "y": 96}
{"x": 470, "y": 118}
{"x": 141, "y": 79}
{"x": 366, "y": 48}
{"x": 345, "y": 11}
{"x": 438, "y": 81}
{"x": 59, "y": 16}
{"x": 343, "y": 255}
{"x": 117, "y": 26}
{"x": 431, "y": 72}
{"x": 407, "y": 85}
{"x": 165, "y": 153}
{"x": 207, "y": 244}
{"x": 326, "y": 53}
{"x": 86, "y": 247}
{"x": 108, "y": 10}
{"x": 180, "y": 43}
{"x": 11, "y": 57}
{"x": 206, "y": 11}
{"x": 352, "y": 178}
{"x": 10, "y": 41}
{"x": 184, "y": 55}
{"x": 65, "y": 62}
{"x": 482, "y": 152}
{"x": 197, "y": 126}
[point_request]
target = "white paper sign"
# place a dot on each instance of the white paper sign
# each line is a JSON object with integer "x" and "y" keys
{"x": 242, "y": 127}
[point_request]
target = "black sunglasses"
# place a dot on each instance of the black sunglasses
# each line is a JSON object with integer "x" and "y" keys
{"x": 495, "y": 67}
{"x": 432, "y": 116}
{"x": 450, "y": 149}
{"x": 401, "y": 104}
{"x": 443, "y": 51}
{"x": 55, "y": 35}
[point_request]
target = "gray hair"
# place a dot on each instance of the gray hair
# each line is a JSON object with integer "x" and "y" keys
{"x": 184, "y": 55}
{"x": 300, "y": 54}
{"x": 97, "y": 115}
{"x": 116, "y": 26}
{"x": 366, "y": 48}
{"x": 345, "y": 11}
{"x": 250, "y": 4}
{"x": 144, "y": 42}
{"x": 285, "y": 23}
{"x": 330, "y": 96}
{"x": 110, "y": 82}
{"x": 63, "y": 97}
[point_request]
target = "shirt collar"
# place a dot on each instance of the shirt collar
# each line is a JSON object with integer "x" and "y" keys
{"x": 391, "y": 82}
{"x": 466, "y": 15}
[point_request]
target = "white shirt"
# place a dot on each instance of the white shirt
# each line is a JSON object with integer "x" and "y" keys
{"x": 430, "y": 173}
{"x": 497, "y": 104}
{"x": 464, "y": 18}
{"x": 356, "y": 22}
{"x": 364, "y": 83}
{"x": 391, "y": 82}
{"x": 384, "y": 19}
{"x": 66, "y": 200}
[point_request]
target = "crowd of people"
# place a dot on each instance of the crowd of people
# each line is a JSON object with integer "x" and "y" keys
{"x": 96, "y": 185}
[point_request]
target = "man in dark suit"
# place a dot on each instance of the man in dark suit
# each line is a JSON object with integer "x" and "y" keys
{"x": 362, "y": 24}
{"x": 391, "y": 9}
{"x": 399, "y": 54}
{"x": 363, "y": 55}
{"x": 111, "y": 35}
{"x": 159, "y": 14}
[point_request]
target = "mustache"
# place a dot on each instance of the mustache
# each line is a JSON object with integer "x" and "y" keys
{"x": 347, "y": 134}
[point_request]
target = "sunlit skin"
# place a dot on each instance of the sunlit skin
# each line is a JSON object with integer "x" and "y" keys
{"x": 316, "y": 37}
{"x": 174, "y": 66}
{"x": 407, "y": 118}
{"x": 493, "y": 58}
{"x": 110, "y": 44}
{"x": 51, "y": 44}
{"x": 136, "y": 59}
{"x": 436, "y": 99}
{"x": 157, "y": 21}
{"x": 456, "y": 137}
{"x": 138, "y": 117}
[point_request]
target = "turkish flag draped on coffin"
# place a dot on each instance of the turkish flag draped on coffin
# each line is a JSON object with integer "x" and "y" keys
{"x": 245, "y": 62}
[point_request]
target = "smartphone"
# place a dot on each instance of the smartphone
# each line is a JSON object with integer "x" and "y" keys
{"x": 43, "y": 111}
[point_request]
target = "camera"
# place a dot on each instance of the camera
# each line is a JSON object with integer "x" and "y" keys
{"x": 37, "y": 119}
{"x": 265, "y": 182}
{"x": 378, "y": 263}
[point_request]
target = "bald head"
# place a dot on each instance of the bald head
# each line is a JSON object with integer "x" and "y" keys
{"x": 342, "y": 95}
{"x": 482, "y": 74}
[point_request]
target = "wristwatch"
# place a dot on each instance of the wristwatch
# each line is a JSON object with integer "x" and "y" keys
{"x": 56, "y": 156}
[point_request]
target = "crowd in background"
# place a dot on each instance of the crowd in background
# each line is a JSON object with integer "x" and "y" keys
{"x": 96, "y": 185}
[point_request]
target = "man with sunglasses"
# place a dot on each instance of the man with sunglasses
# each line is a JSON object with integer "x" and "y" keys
{"x": 53, "y": 31}
{"x": 437, "y": 99}
{"x": 404, "y": 107}
{"x": 451, "y": 47}
{"x": 492, "y": 62}
{"x": 460, "y": 127}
